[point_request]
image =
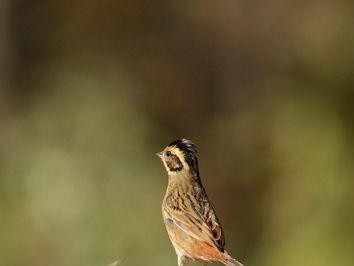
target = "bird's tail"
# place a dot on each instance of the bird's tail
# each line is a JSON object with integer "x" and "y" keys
{"x": 229, "y": 261}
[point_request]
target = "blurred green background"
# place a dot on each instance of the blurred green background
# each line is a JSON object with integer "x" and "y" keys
{"x": 90, "y": 90}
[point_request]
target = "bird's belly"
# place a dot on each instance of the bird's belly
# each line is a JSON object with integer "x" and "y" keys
{"x": 180, "y": 240}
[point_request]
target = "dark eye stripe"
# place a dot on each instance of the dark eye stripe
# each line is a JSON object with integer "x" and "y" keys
{"x": 174, "y": 163}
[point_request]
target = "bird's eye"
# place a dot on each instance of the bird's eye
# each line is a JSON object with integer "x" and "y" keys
{"x": 168, "y": 153}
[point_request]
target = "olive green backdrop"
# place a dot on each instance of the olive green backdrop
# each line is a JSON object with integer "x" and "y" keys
{"x": 90, "y": 90}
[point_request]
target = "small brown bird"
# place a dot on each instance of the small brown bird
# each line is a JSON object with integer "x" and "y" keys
{"x": 190, "y": 219}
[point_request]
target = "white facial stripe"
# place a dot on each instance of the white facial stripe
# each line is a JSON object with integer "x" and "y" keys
{"x": 180, "y": 155}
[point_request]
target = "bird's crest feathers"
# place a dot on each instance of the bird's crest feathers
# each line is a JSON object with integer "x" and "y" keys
{"x": 184, "y": 145}
{"x": 190, "y": 150}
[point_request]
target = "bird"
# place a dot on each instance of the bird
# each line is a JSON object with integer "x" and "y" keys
{"x": 190, "y": 219}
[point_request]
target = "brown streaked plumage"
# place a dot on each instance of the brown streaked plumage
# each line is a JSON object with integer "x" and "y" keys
{"x": 190, "y": 219}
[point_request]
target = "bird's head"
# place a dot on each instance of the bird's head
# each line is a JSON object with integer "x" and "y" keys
{"x": 179, "y": 157}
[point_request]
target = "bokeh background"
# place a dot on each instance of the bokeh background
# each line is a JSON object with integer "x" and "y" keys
{"x": 91, "y": 89}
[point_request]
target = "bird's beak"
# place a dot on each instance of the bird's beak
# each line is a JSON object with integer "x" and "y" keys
{"x": 160, "y": 154}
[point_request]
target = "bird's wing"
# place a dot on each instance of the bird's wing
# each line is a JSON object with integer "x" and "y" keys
{"x": 197, "y": 218}
{"x": 213, "y": 223}
{"x": 202, "y": 206}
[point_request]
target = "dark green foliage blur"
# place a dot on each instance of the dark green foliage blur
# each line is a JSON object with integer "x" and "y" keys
{"x": 90, "y": 90}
